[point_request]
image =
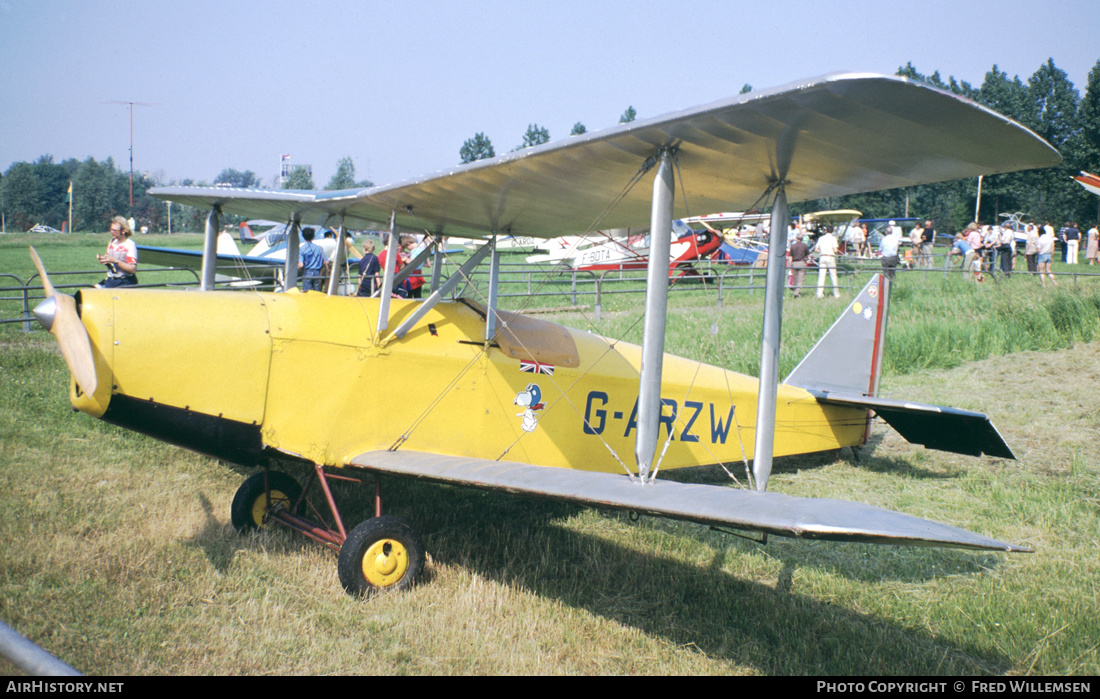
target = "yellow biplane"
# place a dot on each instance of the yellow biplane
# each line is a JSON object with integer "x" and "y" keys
{"x": 492, "y": 399}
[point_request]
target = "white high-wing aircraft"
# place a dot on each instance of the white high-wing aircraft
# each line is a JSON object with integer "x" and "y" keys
{"x": 261, "y": 265}
{"x": 497, "y": 400}
{"x": 693, "y": 238}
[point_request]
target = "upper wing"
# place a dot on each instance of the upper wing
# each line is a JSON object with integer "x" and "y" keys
{"x": 830, "y": 136}
{"x": 774, "y": 513}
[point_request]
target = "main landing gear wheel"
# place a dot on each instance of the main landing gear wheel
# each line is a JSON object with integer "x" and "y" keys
{"x": 250, "y": 504}
{"x": 382, "y": 553}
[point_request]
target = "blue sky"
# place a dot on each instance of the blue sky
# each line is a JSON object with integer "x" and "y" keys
{"x": 399, "y": 86}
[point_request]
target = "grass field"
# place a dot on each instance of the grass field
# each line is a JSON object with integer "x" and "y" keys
{"x": 119, "y": 557}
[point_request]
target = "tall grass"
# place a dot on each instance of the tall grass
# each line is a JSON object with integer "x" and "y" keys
{"x": 934, "y": 322}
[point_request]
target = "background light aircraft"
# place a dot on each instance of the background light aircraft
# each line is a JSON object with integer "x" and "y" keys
{"x": 685, "y": 246}
{"x": 566, "y": 247}
{"x": 492, "y": 399}
{"x": 261, "y": 265}
{"x": 693, "y": 238}
{"x": 1089, "y": 181}
{"x": 876, "y": 228}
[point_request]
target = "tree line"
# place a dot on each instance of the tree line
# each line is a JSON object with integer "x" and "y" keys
{"x": 479, "y": 147}
{"x": 38, "y": 192}
{"x": 1047, "y": 102}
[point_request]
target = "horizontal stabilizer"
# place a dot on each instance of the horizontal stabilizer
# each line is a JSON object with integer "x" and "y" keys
{"x": 934, "y": 426}
{"x": 772, "y": 513}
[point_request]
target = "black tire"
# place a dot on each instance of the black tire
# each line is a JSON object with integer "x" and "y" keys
{"x": 382, "y": 553}
{"x": 250, "y": 503}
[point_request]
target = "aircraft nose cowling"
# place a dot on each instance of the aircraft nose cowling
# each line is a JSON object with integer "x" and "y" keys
{"x": 93, "y": 316}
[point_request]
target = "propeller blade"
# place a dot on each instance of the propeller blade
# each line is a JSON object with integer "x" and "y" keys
{"x": 58, "y": 314}
{"x": 42, "y": 273}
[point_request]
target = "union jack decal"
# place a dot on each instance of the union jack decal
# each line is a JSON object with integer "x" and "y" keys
{"x": 536, "y": 367}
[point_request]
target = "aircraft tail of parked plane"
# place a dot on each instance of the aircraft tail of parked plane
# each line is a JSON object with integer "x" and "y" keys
{"x": 1089, "y": 181}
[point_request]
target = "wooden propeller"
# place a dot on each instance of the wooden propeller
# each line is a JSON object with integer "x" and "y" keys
{"x": 57, "y": 313}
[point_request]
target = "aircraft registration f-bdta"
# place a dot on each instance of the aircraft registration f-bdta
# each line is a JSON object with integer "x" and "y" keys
{"x": 496, "y": 400}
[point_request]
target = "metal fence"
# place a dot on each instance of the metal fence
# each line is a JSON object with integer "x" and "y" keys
{"x": 576, "y": 287}
{"x": 18, "y": 296}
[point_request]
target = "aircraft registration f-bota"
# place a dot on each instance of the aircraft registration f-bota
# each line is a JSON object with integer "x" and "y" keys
{"x": 492, "y": 399}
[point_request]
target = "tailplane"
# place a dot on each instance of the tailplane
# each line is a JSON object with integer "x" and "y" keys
{"x": 844, "y": 368}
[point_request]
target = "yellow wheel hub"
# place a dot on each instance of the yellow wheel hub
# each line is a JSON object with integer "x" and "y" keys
{"x": 385, "y": 562}
{"x": 259, "y": 507}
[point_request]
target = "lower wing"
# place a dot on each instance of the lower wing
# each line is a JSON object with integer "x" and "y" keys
{"x": 771, "y": 513}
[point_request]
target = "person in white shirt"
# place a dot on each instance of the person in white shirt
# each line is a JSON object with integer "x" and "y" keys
{"x": 1046, "y": 255}
{"x": 1007, "y": 250}
{"x": 991, "y": 240}
{"x": 889, "y": 247}
{"x": 121, "y": 258}
{"x": 915, "y": 236}
{"x": 827, "y": 247}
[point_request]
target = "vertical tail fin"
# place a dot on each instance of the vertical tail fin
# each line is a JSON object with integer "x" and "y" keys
{"x": 848, "y": 358}
{"x": 226, "y": 245}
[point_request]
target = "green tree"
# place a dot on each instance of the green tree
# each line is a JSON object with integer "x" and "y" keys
{"x": 934, "y": 79}
{"x": 746, "y": 88}
{"x": 299, "y": 178}
{"x": 477, "y": 148}
{"x": 1088, "y": 112}
{"x": 344, "y": 177}
{"x": 22, "y": 199}
{"x": 628, "y": 116}
{"x": 1055, "y": 196}
{"x": 236, "y": 178}
{"x": 578, "y": 129}
{"x": 53, "y": 187}
{"x": 1009, "y": 192}
{"x": 100, "y": 191}
{"x": 535, "y": 136}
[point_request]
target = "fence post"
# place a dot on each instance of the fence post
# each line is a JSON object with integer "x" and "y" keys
{"x": 599, "y": 297}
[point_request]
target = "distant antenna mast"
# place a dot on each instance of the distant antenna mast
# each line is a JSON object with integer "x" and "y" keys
{"x": 131, "y": 106}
